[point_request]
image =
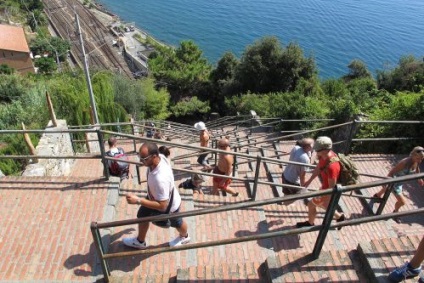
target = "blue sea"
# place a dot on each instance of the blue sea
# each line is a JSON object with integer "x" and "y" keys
{"x": 378, "y": 32}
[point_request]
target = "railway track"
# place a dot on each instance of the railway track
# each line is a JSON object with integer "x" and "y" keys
{"x": 97, "y": 37}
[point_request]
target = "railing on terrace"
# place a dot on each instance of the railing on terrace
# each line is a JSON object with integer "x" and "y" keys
{"x": 240, "y": 157}
{"x": 323, "y": 228}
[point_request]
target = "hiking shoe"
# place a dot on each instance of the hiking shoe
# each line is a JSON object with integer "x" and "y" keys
{"x": 303, "y": 224}
{"x": 178, "y": 241}
{"x": 342, "y": 218}
{"x": 133, "y": 242}
{"x": 404, "y": 272}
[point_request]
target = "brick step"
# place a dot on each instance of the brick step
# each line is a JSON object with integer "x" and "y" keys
{"x": 240, "y": 272}
{"x": 381, "y": 256}
{"x": 331, "y": 266}
{"x": 159, "y": 278}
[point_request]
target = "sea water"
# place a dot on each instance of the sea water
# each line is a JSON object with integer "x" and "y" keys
{"x": 333, "y": 31}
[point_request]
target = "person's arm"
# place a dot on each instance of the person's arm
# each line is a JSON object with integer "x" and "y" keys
{"x": 417, "y": 171}
{"x": 153, "y": 204}
{"x": 399, "y": 167}
{"x": 302, "y": 178}
{"x": 315, "y": 173}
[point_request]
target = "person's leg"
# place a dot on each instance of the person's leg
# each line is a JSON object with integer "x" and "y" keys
{"x": 183, "y": 229}
{"x": 381, "y": 192}
{"x": 418, "y": 258}
{"x": 142, "y": 231}
{"x": 183, "y": 237}
{"x": 401, "y": 201}
{"x": 230, "y": 190}
{"x": 312, "y": 212}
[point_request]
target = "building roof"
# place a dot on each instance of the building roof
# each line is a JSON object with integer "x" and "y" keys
{"x": 13, "y": 38}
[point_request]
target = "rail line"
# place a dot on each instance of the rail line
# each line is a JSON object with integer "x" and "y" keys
{"x": 97, "y": 37}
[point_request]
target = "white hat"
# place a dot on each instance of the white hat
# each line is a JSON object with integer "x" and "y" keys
{"x": 200, "y": 126}
{"x": 323, "y": 143}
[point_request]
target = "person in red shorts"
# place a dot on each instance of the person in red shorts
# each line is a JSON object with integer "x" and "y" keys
{"x": 225, "y": 168}
{"x": 329, "y": 173}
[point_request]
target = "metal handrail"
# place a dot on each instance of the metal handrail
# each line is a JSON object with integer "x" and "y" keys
{"x": 323, "y": 228}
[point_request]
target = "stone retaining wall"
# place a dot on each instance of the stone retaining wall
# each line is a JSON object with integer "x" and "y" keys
{"x": 53, "y": 144}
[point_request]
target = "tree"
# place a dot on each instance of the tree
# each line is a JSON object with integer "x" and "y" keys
{"x": 190, "y": 106}
{"x": 46, "y": 65}
{"x": 267, "y": 66}
{"x": 184, "y": 71}
{"x": 42, "y": 45}
{"x": 357, "y": 70}
{"x": 407, "y": 76}
{"x": 222, "y": 81}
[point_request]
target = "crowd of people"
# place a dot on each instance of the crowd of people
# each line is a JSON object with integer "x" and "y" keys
{"x": 164, "y": 198}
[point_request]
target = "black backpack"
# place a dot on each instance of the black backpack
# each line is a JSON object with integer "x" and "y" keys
{"x": 119, "y": 168}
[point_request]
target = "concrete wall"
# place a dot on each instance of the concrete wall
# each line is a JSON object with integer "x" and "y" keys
{"x": 53, "y": 144}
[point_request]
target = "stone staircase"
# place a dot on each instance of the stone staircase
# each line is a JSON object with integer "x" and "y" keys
{"x": 53, "y": 215}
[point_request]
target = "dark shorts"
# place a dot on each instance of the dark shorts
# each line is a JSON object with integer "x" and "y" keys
{"x": 202, "y": 160}
{"x": 290, "y": 191}
{"x": 145, "y": 212}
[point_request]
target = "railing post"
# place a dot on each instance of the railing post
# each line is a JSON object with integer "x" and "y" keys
{"x": 215, "y": 145}
{"x": 351, "y": 133}
{"x": 133, "y": 133}
{"x": 384, "y": 199}
{"x": 103, "y": 153}
{"x": 97, "y": 239}
{"x": 255, "y": 184}
{"x": 235, "y": 165}
{"x": 335, "y": 197}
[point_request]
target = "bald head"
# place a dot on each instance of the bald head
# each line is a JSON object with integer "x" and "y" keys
{"x": 223, "y": 143}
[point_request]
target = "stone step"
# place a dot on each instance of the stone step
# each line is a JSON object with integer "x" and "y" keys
{"x": 381, "y": 256}
{"x": 331, "y": 266}
{"x": 240, "y": 272}
{"x": 126, "y": 278}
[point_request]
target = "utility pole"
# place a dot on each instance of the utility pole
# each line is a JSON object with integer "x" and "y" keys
{"x": 87, "y": 74}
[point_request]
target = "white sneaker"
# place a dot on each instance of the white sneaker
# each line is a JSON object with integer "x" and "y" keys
{"x": 178, "y": 241}
{"x": 134, "y": 243}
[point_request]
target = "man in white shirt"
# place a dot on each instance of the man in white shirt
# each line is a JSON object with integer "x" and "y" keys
{"x": 294, "y": 174}
{"x": 163, "y": 198}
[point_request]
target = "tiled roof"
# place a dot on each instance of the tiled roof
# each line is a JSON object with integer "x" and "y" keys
{"x": 13, "y": 38}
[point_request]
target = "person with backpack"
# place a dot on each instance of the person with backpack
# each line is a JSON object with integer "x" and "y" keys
{"x": 329, "y": 172}
{"x": 162, "y": 198}
{"x": 407, "y": 166}
{"x": 117, "y": 168}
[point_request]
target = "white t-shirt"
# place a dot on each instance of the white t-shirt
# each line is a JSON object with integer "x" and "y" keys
{"x": 114, "y": 150}
{"x": 293, "y": 171}
{"x": 161, "y": 181}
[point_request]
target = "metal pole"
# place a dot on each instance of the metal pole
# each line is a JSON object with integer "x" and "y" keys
{"x": 255, "y": 184}
{"x": 103, "y": 153}
{"x": 87, "y": 74}
{"x": 97, "y": 239}
{"x": 335, "y": 197}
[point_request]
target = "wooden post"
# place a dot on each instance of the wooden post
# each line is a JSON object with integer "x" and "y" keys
{"x": 29, "y": 143}
{"x": 51, "y": 109}
{"x": 92, "y": 116}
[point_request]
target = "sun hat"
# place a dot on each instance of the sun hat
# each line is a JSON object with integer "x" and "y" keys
{"x": 200, "y": 126}
{"x": 323, "y": 143}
